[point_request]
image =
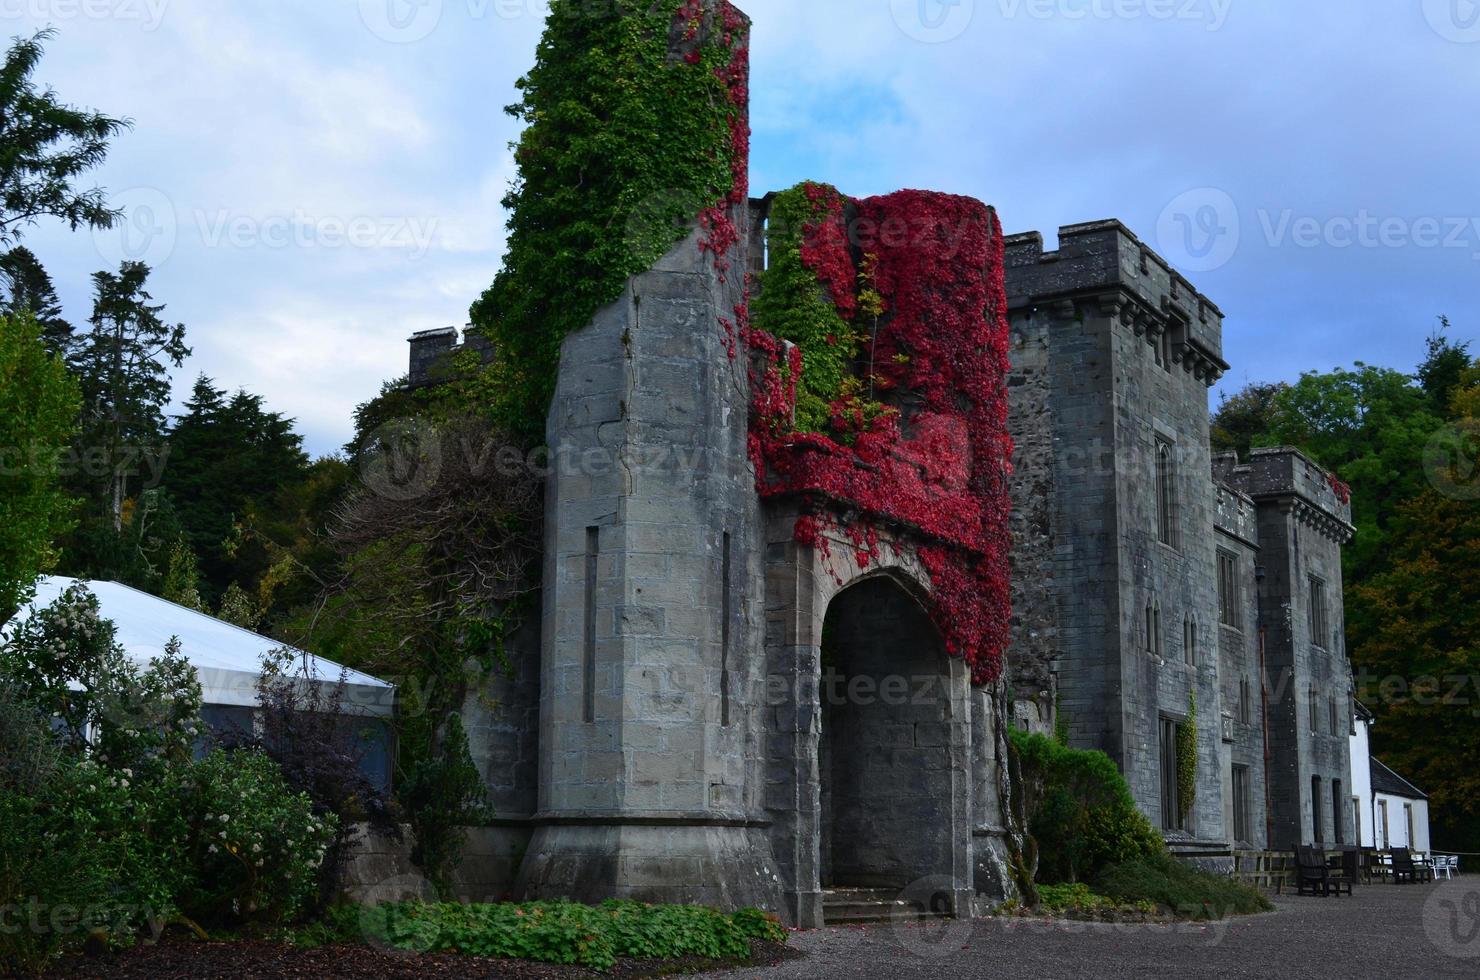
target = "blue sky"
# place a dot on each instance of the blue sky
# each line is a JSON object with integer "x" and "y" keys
{"x": 314, "y": 181}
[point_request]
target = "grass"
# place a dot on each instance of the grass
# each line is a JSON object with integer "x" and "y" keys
{"x": 551, "y": 932}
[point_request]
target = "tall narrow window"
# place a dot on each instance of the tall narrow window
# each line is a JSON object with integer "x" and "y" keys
{"x": 588, "y": 645}
{"x": 1152, "y": 643}
{"x": 1242, "y": 807}
{"x": 724, "y": 653}
{"x": 1315, "y": 713}
{"x": 1157, "y": 633}
{"x": 1230, "y": 598}
{"x": 1411, "y": 844}
{"x": 1335, "y": 719}
{"x": 1384, "y": 838}
{"x": 1356, "y": 821}
{"x": 1171, "y": 808}
{"x": 1318, "y": 616}
{"x": 1245, "y": 701}
{"x": 1315, "y": 809}
{"x": 1336, "y": 807}
{"x": 1166, "y": 499}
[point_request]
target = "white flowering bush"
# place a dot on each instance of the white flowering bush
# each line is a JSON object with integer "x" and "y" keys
{"x": 257, "y": 845}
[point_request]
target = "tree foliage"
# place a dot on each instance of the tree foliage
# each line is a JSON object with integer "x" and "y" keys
{"x": 38, "y": 413}
{"x": 27, "y": 290}
{"x": 123, "y": 364}
{"x": 45, "y": 146}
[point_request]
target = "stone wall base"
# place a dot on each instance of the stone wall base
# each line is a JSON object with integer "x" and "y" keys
{"x": 725, "y": 867}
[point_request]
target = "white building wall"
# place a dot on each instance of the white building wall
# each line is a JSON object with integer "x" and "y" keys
{"x": 1398, "y": 823}
{"x": 1361, "y": 784}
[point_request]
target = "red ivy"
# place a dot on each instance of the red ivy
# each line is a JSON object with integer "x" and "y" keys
{"x": 1342, "y": 489}
{"x": 938, "y": 468}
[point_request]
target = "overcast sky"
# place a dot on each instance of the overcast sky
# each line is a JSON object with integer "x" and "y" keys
{"x": 314, "y": 181}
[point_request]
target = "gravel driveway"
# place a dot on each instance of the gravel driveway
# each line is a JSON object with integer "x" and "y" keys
{"x": 1383, "y": 931}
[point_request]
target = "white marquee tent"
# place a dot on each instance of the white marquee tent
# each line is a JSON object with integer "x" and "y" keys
{"x": 227, "y": 659}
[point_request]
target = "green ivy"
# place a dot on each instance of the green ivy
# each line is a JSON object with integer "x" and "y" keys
{"x": 794, "y": 306}
{"x": 626, "y": 142}
{"x": 1187, "y": 758}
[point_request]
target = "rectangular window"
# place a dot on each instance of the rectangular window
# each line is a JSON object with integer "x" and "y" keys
{"x": 1189, "y": 641}
{"x": 1319, "y": 624}
{"x": 724, "y": 655}
{"x": 1335, "y": 719}
{"x": 1242, "y": 807}
{"x": 1408, "y": 824}
{"x": 1245, "y": 701}
{"x": 1336, "y": 808}
{"x": 1166, "y": 495}
{"x": 588, "y": 666}
{"x": 1384, "y": 837}
{"x": 1315, "y": 809}
{"x": 1356, "y": 821}
{"x": 1171, "y": 810}
{"x": 1315, "y": 713}
{"x": 1230, "y": 591}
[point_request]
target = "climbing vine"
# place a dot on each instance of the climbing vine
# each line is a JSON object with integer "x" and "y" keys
{"x": 913, "y": 434}
{"x": 635, "y": 128}
{"x": 1187, "y": 759}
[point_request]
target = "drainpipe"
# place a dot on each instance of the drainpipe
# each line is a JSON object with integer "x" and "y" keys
{"x": 1264, "y": 707}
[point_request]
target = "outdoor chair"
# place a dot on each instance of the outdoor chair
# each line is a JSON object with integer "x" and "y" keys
{"x": 1405, "y": 867}
{"x": 1344, "y": 876}
{"x": 1311, "y": 872}
{"x": 1446, "y": 865}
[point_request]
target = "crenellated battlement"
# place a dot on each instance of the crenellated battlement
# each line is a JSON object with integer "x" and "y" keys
{"x": 1104, "y": 261}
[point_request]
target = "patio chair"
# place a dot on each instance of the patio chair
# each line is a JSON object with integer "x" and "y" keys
{"x": 1344, "y": 875}
{"x": 1311, "y": 872}
{"x": 1405, "y": 867}
{"x": 1446, "y": 865}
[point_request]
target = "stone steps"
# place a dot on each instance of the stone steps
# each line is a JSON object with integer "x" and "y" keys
{"x": 867, "y": 906}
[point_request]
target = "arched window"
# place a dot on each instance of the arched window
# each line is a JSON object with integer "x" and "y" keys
{"x": 1166, "y": 500}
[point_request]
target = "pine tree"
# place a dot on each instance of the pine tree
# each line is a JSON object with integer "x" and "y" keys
{"x": 44, "y": 146}
{"x": 26, "y": 289}
{"x": 122, "y": 364}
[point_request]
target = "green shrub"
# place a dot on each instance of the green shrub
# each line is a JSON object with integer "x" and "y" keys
{"x": 1079, "y": 898}
{"x": 255, "y": 846}
{"x": 1079, "y": 811}
{"x": 561, "y": 932}
{"x": 1186, "y": 891}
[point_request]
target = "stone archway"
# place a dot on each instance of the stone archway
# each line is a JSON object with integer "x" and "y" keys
{"x": 929, "y": 843}
{"x": 895, "y": 738}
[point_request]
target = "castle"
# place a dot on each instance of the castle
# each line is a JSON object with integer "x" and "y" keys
{"x": 745, "y": 693}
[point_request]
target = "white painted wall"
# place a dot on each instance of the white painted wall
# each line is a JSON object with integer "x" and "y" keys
{"x": 1361, "y": 782}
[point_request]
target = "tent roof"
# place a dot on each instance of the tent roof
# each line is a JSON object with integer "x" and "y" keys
{"x": 227, "y": 658}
